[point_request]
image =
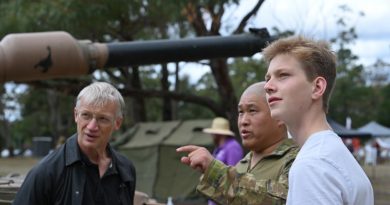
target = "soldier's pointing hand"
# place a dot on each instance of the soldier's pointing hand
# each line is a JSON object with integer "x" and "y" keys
{"x": 198, "y": 158}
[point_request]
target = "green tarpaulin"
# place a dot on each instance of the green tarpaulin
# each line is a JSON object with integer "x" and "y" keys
{"x": 152, "y": 149}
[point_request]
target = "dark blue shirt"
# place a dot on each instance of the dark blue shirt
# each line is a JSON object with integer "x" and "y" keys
{"x": 63, "y": 178}
{"x": 101, "y": 190}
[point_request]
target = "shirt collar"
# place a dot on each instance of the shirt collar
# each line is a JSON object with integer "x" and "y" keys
{"x": 228, "y": 141}
{"x": 72, "y": 153}
{"x": 284, "y": 147}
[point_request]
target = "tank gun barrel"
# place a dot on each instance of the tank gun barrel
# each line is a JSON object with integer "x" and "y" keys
{"x": 44, "y": 55}
{"x": 163, "y": 51}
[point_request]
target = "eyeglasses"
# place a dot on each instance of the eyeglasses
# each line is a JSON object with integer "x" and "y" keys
{"x": 101, "y": 120}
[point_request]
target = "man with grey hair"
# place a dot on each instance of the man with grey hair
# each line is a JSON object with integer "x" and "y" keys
{"x": 85, "y": 170}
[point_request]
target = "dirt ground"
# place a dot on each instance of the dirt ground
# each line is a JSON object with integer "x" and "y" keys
{"x": 379, "y": 175}
{"x": 16, "y": 165}
{"x": 380, "y": 179}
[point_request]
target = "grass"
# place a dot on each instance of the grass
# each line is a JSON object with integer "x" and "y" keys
{"x": 379, "y": 175}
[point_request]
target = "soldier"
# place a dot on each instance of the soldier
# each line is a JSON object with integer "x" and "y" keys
{"x": 262, "y": 176}
{"x": 300, "y": 79}
{"x": 85, "y": 170}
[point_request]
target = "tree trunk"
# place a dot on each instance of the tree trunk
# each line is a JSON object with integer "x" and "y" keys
{"x": 177, "y": 90}
{"x": 226, "y": 92}
{"x": 4, "y": 130}
{"x": 5, "y": 135}
{"x": 185, "y": 97}
{"x": 138, "y": 105}
{"x": 167, "y": 106}
{"x": 54, "y": 114}
{"x": 219, "y": 68}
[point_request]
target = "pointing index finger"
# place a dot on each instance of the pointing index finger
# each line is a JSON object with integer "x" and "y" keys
{"x": 187, "y": 148}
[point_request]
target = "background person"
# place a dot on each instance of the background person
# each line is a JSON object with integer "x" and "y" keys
{"x": 227, "y": 149}
{"x": 371, "y": 153}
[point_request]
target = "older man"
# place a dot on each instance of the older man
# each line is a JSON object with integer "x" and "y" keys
{"x": 85, "y": 170}
{"x": 262, "y": 176}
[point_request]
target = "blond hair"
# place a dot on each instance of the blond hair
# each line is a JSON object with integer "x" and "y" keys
{"x": 315, "y": 57}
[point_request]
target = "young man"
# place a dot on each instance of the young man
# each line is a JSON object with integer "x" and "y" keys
{"x": 262, "y": 176}
{"x": 300, "y": 79}
{"x": 85, "y": 170}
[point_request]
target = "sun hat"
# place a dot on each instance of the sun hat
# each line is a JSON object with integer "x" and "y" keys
{"x": 219, "y": 126}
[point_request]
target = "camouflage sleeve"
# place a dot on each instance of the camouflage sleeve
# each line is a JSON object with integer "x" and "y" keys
{"x": 225, "y": 185}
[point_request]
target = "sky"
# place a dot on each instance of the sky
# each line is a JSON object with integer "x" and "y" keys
{"x": 317, "y": 19}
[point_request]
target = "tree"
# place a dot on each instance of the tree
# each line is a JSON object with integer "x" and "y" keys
{"x": 384, "y": 107}
{"x": 45, "y": 113}
{"x": 378, "y": 78}
{"x": 150, "y": 91}
{"x": 219, "y": 67}
{"x": 5, "y": 138}
{"x": 351, "y": 96}
{"x": 123, "y": 20}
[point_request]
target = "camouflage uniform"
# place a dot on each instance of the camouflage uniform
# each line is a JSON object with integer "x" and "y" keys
{"x": 265, "y": 183}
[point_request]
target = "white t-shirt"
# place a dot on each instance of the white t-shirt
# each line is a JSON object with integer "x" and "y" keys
{"x": 325, "y": 172}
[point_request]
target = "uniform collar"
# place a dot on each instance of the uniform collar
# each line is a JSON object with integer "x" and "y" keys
{"x": 284, "y": 147}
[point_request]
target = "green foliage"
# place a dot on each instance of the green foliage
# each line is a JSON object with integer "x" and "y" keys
{"x": 37, "y": 115}
{"x": 243, "y": 72}
{"x": 191, "y": 111}
{"x": 92, "y": 19}
{"x": 97, "y": 20}
{"x": 353, "y": 95}
{"x": 246, "y": 71}
{"x": 384, "y": 106}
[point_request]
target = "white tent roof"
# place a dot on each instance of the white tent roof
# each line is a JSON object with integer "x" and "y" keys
{"x": 376, "y": 129}
{"x": 383, "y": 142}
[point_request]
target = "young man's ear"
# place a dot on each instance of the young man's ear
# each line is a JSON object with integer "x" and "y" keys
{"x": 319, "y": 87}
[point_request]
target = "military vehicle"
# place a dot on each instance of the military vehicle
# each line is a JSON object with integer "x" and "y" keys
{"x": 45, "y": 55}
{"x": 9, "y": 185}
